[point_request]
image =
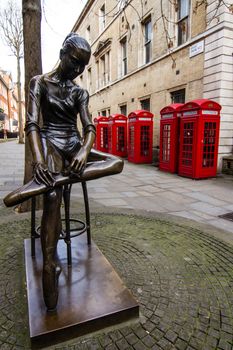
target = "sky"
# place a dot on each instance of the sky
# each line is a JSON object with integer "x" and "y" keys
{"x": 58, "y": 18}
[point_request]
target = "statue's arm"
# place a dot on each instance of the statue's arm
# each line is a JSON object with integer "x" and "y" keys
{"x": 32, "y": 129}
{"x": 89, "y": 132}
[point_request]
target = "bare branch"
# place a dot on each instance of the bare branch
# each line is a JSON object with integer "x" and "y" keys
{"x": 11, "y": 26}
{"x": 167, "y": 35}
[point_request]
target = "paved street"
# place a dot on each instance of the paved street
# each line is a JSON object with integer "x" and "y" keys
{"x": 141, "y": 187}
{"x": 179, "y": 267}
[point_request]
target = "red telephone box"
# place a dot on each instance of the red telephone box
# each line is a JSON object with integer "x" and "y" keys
{"x": 199, "y": 137}
{"x": 169, "y": 137}
{"x": 101, "y": 141}
{"x": 117, "y": 135}
{"x": 140, "y": 139}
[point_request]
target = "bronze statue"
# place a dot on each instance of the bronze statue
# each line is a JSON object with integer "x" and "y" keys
{"x": 60, "y": 155}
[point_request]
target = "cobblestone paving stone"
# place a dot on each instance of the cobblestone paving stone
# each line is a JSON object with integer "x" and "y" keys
{"x": 181, "y": 276}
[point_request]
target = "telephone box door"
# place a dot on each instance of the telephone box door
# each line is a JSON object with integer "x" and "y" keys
{"x": 188, "y": 139}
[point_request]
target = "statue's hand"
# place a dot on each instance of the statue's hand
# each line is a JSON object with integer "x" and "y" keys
{"x": 43, "y": 175}
{"x": 79, "y": 161}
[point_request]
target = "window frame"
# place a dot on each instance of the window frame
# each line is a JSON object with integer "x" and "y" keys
{"x": 102, "y": 18}
{"x": 124, "y": 56}
{"x": 104, "y": 69}
{"x": 89, "y": 80}
{"x": 124, "y": 105}
{"x": 88, "y": 33}
{"x": 182, "y": 35}
{"x": 142, "y": 100}
{"x": 178, "y": 93}
{"x": 148, "y": 35}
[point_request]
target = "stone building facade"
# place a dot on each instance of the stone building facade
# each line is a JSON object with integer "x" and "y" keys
{"x": 147, "y": 54}
{"x": 9, "y": 120}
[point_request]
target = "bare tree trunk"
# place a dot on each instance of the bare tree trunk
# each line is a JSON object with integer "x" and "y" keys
{"x": 21, "y": 138}
{"x": 33, "y": 66}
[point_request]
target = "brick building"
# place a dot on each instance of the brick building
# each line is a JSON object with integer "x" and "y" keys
{"x": 149, "y": 53}
{"x": 9, "y": 103}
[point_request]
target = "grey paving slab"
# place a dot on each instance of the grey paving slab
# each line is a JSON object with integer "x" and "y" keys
{"x": 222, "y": 224}
{"x": 229, "y": 207}
{"x": 179, "y": 190}
{"x": 206, "y": 198}
{"x": 225, "y": 194}
{"x": 203, "y": 215}
{"x": 106, "y": 195}
{"x": 188, "y": 215}
{"x": 112, "y": 202}
{"x": 175, "y": 197}
{"x": 130, "y": 194}
{"x": 145, "y": 194}
{"x": 150, "y": 188}
{"x": 207, "y": 208}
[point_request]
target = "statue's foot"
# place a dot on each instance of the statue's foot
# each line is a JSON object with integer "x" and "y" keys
{"x": 50, "y": 278}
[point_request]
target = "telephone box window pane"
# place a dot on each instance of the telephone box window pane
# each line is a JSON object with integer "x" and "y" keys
{"x": 144, "y": 141}
{"x": 120, "y": 138}
{"x": 209, "y": 143}
{"x": 187, "y": 151}
{"x": 110, "y": 137}
{"x": 104, "y": 137}
{"x": 166, "y": 143}
{"x": 131, "y": 140}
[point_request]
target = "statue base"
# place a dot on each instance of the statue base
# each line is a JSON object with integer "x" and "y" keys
{"x": 91, "y": 295}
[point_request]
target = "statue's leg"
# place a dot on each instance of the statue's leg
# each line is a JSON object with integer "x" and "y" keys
{"x": 101, "y": 164}
{"x": 50, "y": 231}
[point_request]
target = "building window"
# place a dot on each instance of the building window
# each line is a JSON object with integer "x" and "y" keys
{"x": 124, "y": 56}
{"x": 145, "y": 104}
{"x": 104, "y": 113}
{"x": 89, "y": 80}
{"x": 81, "y": 80}
{"x": 178, "y": 96}
{"x": 104, "y": 69}
{"x": 183, "y": 21}
{"x": 98, "y": 75}
{"x": 88, "y": 34}
{"x": 102, "y": 18}
{"x": 148, "y": 39}
{"x": 121, "y": 4}
{"x": 123, "y": 109}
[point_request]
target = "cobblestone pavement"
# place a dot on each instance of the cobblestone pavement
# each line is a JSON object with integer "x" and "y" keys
{"x": 181, "y": 275}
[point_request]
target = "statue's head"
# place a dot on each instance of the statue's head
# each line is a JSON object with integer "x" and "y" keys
{"x": 74, "y": 55}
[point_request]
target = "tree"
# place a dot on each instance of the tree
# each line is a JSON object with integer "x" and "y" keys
{"x": 12, "y": 29}
{"x": 31, "y": 10}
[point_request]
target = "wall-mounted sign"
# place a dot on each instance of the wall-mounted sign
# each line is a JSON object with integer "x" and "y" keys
{"x": 196, "y": 48}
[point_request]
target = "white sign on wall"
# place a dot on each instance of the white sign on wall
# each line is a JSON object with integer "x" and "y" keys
{"x": 197, "y": 48}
